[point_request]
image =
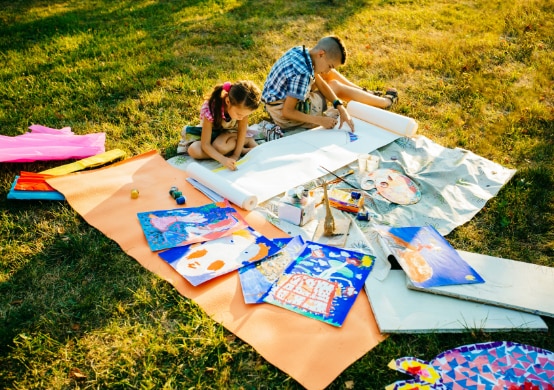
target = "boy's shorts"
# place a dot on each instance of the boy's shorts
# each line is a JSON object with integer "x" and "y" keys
{"x": 318, "y": 107}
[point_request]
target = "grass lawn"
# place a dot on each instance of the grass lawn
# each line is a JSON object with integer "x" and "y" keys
{"x": 77, "y": 312}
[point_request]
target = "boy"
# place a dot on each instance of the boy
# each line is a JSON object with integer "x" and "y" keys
{"x": 303, "y": 76}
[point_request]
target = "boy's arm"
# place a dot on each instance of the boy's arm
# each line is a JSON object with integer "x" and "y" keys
{"x": 329, "y": 94}
{"x": 290, "y": 112}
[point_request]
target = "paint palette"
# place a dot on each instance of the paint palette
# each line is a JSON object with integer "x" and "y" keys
{"x": 392, "y": 185}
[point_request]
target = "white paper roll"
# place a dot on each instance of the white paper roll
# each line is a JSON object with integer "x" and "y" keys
{"x": 223, "y": 187}
{"x": 387, "y": 120}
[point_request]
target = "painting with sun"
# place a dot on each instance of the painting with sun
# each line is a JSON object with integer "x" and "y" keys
{"x": 201, "y": 262}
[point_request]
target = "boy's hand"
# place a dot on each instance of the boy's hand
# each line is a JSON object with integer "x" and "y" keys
{"x": 345, "y": 118}
{"x": 327, "y": 122}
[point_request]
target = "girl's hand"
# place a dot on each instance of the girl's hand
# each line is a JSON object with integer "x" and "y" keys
{"x": 230, "y": 163}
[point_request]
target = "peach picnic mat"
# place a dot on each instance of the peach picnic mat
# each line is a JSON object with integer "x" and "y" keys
{"x": 310, "y": 351}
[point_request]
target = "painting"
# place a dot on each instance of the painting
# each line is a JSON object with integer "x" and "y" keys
{"x": 256, "y": 279}
{"x": 426, "y": 257}
{"x": 166, "y": 229}
{"x": 201, "y": 262}
{"x": 493, "y": 365}
{"x": 322, "y": 282}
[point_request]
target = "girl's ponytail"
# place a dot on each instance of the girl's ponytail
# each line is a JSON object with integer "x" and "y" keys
{"x": 216, "y": 104}
{"x": 242, "y": 93}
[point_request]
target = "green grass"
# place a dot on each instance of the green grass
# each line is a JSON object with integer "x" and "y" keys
{"x": 77, "y": 312}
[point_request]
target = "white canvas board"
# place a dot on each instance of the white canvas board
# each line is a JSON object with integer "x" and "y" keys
{"x": 274, "y": 167}
{"x": 508, "y": 283}
{"x": 398, "y": 309}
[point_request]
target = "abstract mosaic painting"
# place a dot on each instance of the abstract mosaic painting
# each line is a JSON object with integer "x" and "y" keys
{"x": 483, "y": 366}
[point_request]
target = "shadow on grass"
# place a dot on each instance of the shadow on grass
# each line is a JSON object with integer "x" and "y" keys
{"x": 78, "y": 279}
{"x": 89, "y": 58}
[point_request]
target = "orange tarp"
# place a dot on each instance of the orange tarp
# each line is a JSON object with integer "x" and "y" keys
{"x": 310, "y": 351}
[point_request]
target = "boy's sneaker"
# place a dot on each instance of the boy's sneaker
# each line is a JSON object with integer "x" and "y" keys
{"x": 270, "y": 131}
{"x": 392, "y": 95}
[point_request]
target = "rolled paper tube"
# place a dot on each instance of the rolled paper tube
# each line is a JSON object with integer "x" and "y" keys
{"x": 223, "y": 187}
{"x": 388, "y": 120}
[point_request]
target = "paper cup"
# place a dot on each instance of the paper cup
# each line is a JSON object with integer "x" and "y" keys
{"x": 362, "y": 163}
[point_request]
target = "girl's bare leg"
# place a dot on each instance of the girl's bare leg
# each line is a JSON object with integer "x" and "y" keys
{"x": 225, "y": 143}
{"x": 196, "y": 152}
{"x": 249, "y": 144}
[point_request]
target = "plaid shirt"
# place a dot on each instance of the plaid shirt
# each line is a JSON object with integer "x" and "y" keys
{"x": 292, "y": 75}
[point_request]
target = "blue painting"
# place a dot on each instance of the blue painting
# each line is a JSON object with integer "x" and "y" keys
{"x": 177, "y": 227}
{"x": 426, "y": 257}
{"x": 322, "y": 282}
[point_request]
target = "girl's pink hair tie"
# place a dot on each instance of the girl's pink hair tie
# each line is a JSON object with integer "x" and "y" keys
{"x": 227, "y": 86}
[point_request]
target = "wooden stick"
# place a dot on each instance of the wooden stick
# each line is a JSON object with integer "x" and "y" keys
{"x": 329, "y": 222}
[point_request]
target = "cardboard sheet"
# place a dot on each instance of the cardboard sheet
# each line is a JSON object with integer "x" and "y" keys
{"x": 401, "y": 310}
{"x": 508, "y": 283}
{"x": 311, "y": 352}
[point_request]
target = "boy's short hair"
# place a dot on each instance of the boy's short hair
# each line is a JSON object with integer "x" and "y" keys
{"x": 333, "y": 46}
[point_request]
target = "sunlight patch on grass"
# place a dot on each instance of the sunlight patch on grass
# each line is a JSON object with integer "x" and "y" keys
{"x": 50, "y": 9}
{"x": 473, "y": 74}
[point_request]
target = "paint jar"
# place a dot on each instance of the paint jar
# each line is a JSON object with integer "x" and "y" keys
{"x": 372, "y": 163}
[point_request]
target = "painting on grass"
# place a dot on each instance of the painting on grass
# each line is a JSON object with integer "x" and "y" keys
{"x": 426, "y": 257}
{"x": 205, "y": 261}
{"x": 177, "y": 227}
{"x": 256, "y": 279}
{"x": 493, "y": 365}
{"x": 322, "y": 282}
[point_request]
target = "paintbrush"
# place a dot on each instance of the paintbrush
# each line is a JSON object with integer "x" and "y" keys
{"x": 341, "y": 178}
{"x": 348, "y": 173}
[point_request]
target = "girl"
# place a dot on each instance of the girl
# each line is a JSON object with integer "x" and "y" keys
{"x": 224, "y": 120}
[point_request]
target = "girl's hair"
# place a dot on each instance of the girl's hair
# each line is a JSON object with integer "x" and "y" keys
{"x": 242, "y": 93}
